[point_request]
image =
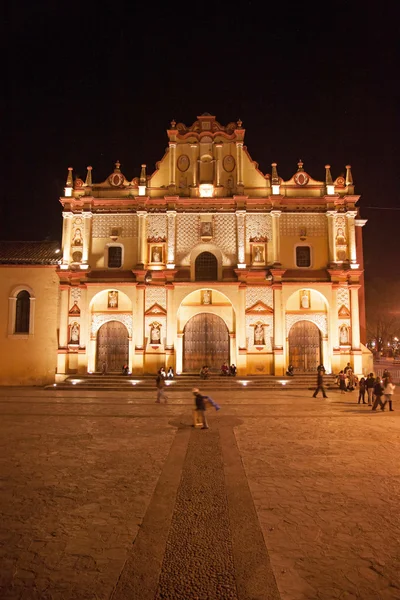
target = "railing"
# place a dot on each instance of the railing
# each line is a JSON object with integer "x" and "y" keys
{"x": 395, "y": 373}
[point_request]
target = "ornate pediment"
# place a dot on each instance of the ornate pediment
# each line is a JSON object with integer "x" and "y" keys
{"x": 74, "y": 311}
{"x": 155, "y": 310}
{"x": 259, "y": 308}
{"x": 343, "y": 312}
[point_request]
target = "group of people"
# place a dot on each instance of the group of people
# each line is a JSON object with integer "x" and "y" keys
{"x": 228, "y": 370}
{"x": 376, "y": 388}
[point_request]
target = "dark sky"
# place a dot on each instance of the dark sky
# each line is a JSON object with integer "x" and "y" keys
{"x": 88, "y": 85}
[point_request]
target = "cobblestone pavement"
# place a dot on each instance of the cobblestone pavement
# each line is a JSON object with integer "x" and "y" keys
{"x": 284, "y": 497}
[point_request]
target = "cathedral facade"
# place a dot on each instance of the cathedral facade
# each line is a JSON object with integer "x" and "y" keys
{"x": 205, "y": 261}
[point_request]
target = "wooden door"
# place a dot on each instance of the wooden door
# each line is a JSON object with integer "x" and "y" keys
{"x": 112, "y": 346}
{"x": 205, "y": 342}
{"x": 304, "y": 346}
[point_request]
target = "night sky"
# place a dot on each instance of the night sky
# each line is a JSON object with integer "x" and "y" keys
{"x": 89, "y": 86}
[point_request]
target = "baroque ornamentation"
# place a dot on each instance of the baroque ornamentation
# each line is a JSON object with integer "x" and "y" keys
{"x": 99, "y": 319}
{"x": 268, "y": 322}
{"x": 292, "y": 224}
{"x": 187, "y": 236}
{"x": 225, "y": 237}
{"x": 343, "y": 297}
{"x": 258, "y": 227}
{"x": 258, "y": 293}
{"x": 155, "y": 295}
{"x": 318, "y": 319}
{"x": 157, "y": 226}
{"x": 103, "y": 224}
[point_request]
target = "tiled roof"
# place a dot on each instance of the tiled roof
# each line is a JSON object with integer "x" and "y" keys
{"x": 30, "y": 253}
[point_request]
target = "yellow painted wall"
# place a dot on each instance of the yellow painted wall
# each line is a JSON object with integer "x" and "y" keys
{"x": 98, "y": 250}
{"x": 30, "y": 360}
{"x": 319, "y": 251}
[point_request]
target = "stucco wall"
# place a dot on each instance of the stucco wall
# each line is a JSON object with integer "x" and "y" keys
{"x": 29, "y": 359}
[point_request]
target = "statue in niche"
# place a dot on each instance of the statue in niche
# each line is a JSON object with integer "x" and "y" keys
{"x": 77, "y": 241}
{"x": 113, "y": 299}
{"x": 206, "y": 297}
{"x": 74, "y": 336}
{"x": 259, "y": 335}
{"x": 206, "y": 229}
{"x": 340, "y": 237}
{"x": 155, "y": 334}
{"x": 344, "y": 334}
{"x": 156, "y": 254}
{"x": 258, "y": 254}
{"x": 305, "y": 299}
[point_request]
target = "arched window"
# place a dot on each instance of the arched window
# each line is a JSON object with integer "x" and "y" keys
{"x": 206, "y": 267}
{"x": 22, "y": 312}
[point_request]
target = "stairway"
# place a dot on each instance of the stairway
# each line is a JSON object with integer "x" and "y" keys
{"x": 185, "y": 382}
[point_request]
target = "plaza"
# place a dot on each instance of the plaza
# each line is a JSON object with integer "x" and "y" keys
{"x": 111, "y": 496}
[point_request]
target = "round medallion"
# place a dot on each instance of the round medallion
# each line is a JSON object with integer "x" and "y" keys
{"x": 301, "y": 178}
{"x": 116, "y": 179}
{"x": 183, "y": 163}
{"x": 228, "y": 163}
{"x": 340, "y": 181}
{"x": 78, "y": 183}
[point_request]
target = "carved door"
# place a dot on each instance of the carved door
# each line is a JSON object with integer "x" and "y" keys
{"x": 112, "y": 346}
{"x": 304, "y": 346}
{"x": 205, "y": 342}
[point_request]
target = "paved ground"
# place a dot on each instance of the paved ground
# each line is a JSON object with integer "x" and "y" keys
{"x": 284, "y": 497}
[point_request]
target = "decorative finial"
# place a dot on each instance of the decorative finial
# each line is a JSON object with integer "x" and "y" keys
{"x": 328, "y": 176}
{"x": 300, "y": 165}
{"x": 274, "y": 178}
{"x": 88, "y": 181}
{"x": 173, "y": 123}
{"x": 349, "y": 177}
{"x": 240, "y": 123}
{"x": 117, "y": 166}
{"x": 70, "y": 181}
{"x": 143, "y": 178}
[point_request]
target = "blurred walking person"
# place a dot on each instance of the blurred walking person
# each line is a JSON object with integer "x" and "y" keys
{"x": 320, "y": 383}
{"x": 378, "y": 391}
{"x": 369, "y": 383}
{"x": 160, "y": 384}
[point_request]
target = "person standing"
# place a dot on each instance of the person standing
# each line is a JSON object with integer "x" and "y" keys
{"x": 388, "y": 391}
{"x": 320, "y": 383}
{"x": 361, "y": 390}
{"x": 342, "y": 382}
{"x": 378, "y": 391}
{"x": 160, "y": 384}
{"x": 369, "y": 383}
{"x": 200, "y": 406}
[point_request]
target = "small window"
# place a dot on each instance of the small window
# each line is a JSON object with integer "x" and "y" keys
{"x": 22, "y": 312}
{"x": 303, "y": 256}
{"x": 114, "y": 257}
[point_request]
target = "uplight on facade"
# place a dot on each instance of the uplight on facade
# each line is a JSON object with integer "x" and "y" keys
{"x": 142, "y": 190}
{"x": 68, "y": 192}
{"x": 206, "y": 190}
{"x": 276, "y": 189}
{"x": 330, "y": 189}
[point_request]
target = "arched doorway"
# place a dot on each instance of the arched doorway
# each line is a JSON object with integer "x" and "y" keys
{"x": 112, "y": 346}
{"x": 205, "y": 342}
{"x": 304, "y": 346}
{"x": 206, "y": 267}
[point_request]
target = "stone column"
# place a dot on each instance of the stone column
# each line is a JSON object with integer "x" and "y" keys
{"x": 276, "y": 236}
{"x": 241, "y": 318}
{"x": 279, "y": 330}
{"x": 355, "y": 319}
{"x": 334, "y": 324}
{"x": 142, "y": 238}
{"x": 171, "y": 238}
{"x": 218, "y": 164}
{"x": 241, "y": 237}
{"x": 326, "y": 355}
{"x": 172, "y": 164}
{"x": 331, "y": 235}
{"x": 179, "y": 353}
{"x": 351, "y": 228}
{"x": 138, "y": 316}
{"x": 239, "y": 156}
{"x": 194, "y": 149}
{"x": 66, "y": 237}
{"x": 64, "y": 308}
{"x": 232, "y": 348}
{"x": 87, "y": 230}
{"x": 171, "y": 317}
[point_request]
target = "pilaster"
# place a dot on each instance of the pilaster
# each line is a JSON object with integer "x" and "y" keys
{"x": 351, "y": 216}
{"x": 241, "y": 238}
{"x": 194, "y": 148}
{"x": 171, "y": 238}
{"x": 331, "y": 214}
{"x": 276, "y": 236}
{"x": 172, "y": 164}
{"x": 87, "y": 231}
{"x": 66, "y": 238}
{"x": 218, "y": 148}
{"x": 142, "y": 237}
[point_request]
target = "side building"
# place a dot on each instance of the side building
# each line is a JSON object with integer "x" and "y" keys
{"x": 208, "y": 260}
